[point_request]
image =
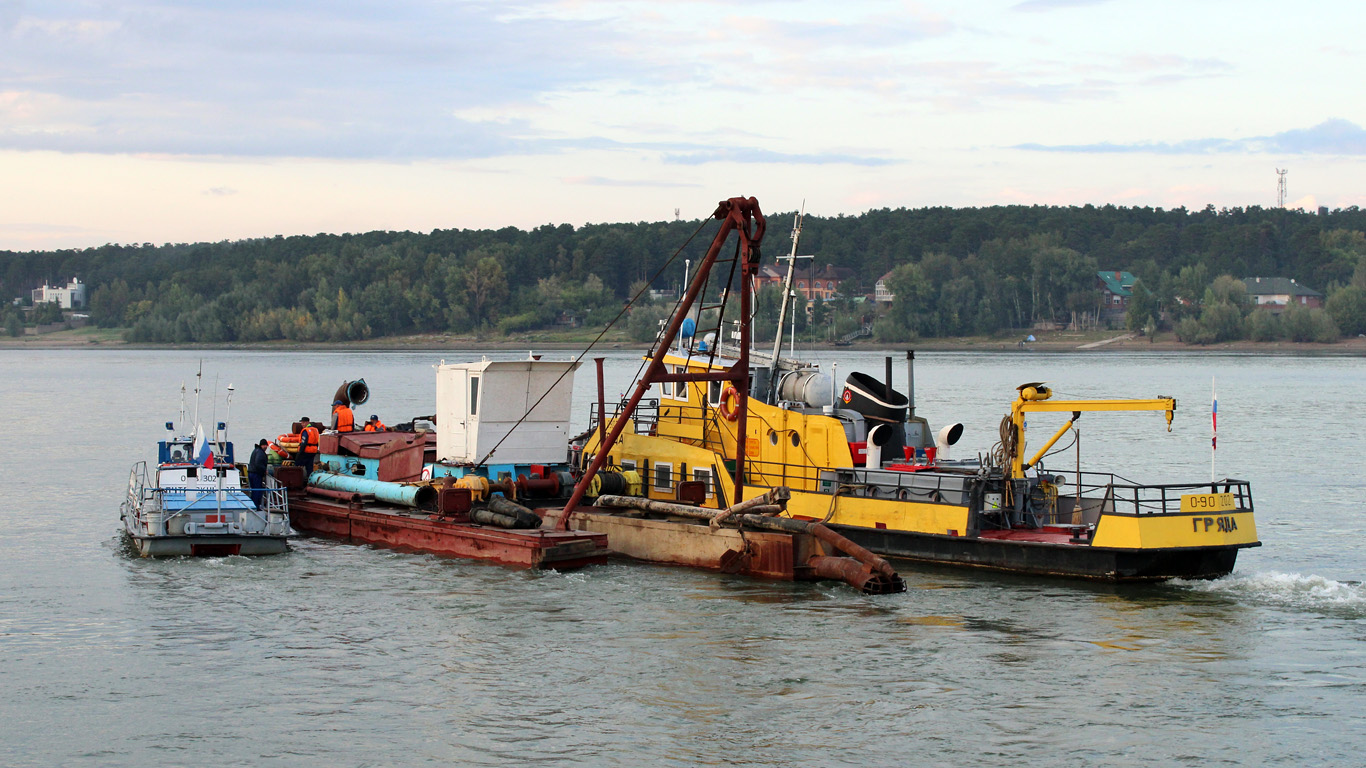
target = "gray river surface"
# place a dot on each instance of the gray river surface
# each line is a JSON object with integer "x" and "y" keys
{"x": 340, "y": 655}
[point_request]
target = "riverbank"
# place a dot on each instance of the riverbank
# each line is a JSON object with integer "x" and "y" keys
{"x": 1055, "y": 341}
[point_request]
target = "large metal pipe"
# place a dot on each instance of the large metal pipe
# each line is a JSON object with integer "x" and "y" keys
{"x": 416, "y": 496}
{"x": 352, "y": 392}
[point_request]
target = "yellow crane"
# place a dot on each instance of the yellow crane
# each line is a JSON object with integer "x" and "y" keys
{"x": 1036, "y": 398}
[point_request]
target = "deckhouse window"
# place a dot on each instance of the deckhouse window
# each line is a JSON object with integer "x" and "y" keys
{"x": 703, "y": 476}
{"x": 664, "y": 480}
{"x": 474, "y": 395}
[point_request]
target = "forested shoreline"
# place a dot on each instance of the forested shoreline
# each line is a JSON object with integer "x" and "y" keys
{"x": 954, "y": 271}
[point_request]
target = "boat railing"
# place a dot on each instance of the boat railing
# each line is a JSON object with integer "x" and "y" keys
{"x": 646, "y": 415}
{"x": 1131, "y": 498}
{"x": 926, "y": 487}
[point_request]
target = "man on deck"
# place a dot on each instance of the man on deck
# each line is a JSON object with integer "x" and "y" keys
{"x": 343, "y": 420}
{"x": 256, "y": 472}
{"x": 374, "y": 424}
{"x": 308, "y": 445}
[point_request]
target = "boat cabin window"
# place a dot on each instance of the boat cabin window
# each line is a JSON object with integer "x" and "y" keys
{"x": 714, "y": 393}
{"x": 666, "y": 388}
{"x": 664, "y": 480}
{"x": 180, "y": 453}
{"x": 703, "y": 476}
{"x": 474, "y": 395}
{"x": 628, "y": 466}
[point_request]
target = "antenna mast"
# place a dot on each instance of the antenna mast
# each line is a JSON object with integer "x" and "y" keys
{"x": 787, "y": 287}
{"x": 1280, "y": 187}
{"x": 198, "y": 386}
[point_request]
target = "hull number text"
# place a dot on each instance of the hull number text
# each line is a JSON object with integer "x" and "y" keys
{"x": 1226, "y": 524}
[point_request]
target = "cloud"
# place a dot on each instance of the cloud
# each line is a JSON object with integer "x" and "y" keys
{"x": 1036, "y": 6}
{"x": 1331, "y": 137}
{"x": 599, "y": 181}
{"x": 754, "y": 155}
{"x": 220, "y": 191}
{"x": 289, "y": 78}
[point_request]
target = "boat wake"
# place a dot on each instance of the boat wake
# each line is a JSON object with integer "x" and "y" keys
{"x": 1287, "y": 590}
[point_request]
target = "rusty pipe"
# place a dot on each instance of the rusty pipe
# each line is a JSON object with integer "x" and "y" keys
{"x": 350, "y": 497}
{"x": 857, "y": 575}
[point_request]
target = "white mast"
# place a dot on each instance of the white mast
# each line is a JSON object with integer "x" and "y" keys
{"x": 198, "y": 386}
{"x": 787, "y": 287}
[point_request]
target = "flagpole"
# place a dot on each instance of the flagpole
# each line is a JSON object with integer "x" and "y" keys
{"x": 1214, "y": 426}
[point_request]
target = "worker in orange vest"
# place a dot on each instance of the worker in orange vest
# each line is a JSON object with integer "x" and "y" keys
{"x": 343, "y": 420}
{"x": 374, "y": 424}
{"x": 308, "y": 445}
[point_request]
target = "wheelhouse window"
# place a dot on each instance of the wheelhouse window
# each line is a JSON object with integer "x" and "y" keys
{"x": 474, "y": 395}
{"x": 664, "y": 476}
{"x": 703, "y": 476}
{"x": 714, "y": 393}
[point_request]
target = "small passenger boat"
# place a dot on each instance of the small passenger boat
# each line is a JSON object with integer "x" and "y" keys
{"x": 194, "y": 502}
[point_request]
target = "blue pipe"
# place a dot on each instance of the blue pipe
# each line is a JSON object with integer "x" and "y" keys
{"x": 417, "y": 496}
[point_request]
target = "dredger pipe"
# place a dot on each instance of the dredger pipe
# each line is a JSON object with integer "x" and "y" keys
{"x": 351, "y": 497}
{"x": 416, "y": 496}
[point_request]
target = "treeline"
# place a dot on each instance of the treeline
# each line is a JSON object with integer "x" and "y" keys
{"x": 954, "y": 271}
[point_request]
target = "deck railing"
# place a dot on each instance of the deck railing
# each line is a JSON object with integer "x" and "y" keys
{"x": 1130, "y": 498}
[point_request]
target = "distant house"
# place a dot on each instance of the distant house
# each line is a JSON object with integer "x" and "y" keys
{"x": 70, "y": 297}
{"x": 882, "y": 295}
{"x": 768, "y": 275}
{"x": 823, "y": 284}
{"x": 1274, "y": 294}
{"x": 1116, "y": 288}
{"x": 814, "y": 285}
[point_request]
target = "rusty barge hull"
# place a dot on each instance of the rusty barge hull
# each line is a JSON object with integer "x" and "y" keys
{"x": 417, "y": 531}
{"x": 689, "y": 543}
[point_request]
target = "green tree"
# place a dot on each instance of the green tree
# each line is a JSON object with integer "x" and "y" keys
{"x": 1347, "y": 307}
{"x": 1142, "y": 306}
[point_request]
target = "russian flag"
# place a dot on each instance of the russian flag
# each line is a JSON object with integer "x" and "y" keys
{"x": 1213, "y": 418}
{"x": 205, "y": 453}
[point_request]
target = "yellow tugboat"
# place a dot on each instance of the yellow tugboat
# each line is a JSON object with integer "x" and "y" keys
{"x": 871, "y": 469}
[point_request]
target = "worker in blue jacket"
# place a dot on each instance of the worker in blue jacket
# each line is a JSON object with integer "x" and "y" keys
{"x": 256, "y": 472}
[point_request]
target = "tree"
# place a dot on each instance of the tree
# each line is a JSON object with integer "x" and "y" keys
{"x": 1143, "y": 306}
{"x": 485, "y": 288}
{"x": 1347, "y": 307}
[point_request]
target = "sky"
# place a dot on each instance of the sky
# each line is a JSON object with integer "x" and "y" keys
{"x": 156, "y": 121}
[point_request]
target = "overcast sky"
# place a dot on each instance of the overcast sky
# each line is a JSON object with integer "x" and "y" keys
{"x": 147, "y": 121}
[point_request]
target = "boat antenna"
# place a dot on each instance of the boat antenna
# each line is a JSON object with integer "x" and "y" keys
{"x": 182, "y": 404}
{"x": 227, "y": 419}
{"x": 791, "y": 259}
{"x": 198, "y": 386}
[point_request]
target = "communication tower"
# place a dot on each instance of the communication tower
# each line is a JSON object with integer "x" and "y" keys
{"x": 1280, "y": 187}
{"x": 677, "y": 211}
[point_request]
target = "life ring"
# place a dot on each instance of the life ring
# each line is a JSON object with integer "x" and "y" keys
{"x": 730, "y": 403}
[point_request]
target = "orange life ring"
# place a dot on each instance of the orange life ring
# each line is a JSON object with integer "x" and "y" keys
{"x": 730, "y": 403}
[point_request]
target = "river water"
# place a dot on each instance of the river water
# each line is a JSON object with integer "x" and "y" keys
{"x": 338, "y": 655}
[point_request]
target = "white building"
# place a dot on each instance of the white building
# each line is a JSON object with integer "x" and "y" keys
{"x": 882, "y": 294}
{"x": 70, "y": 297}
